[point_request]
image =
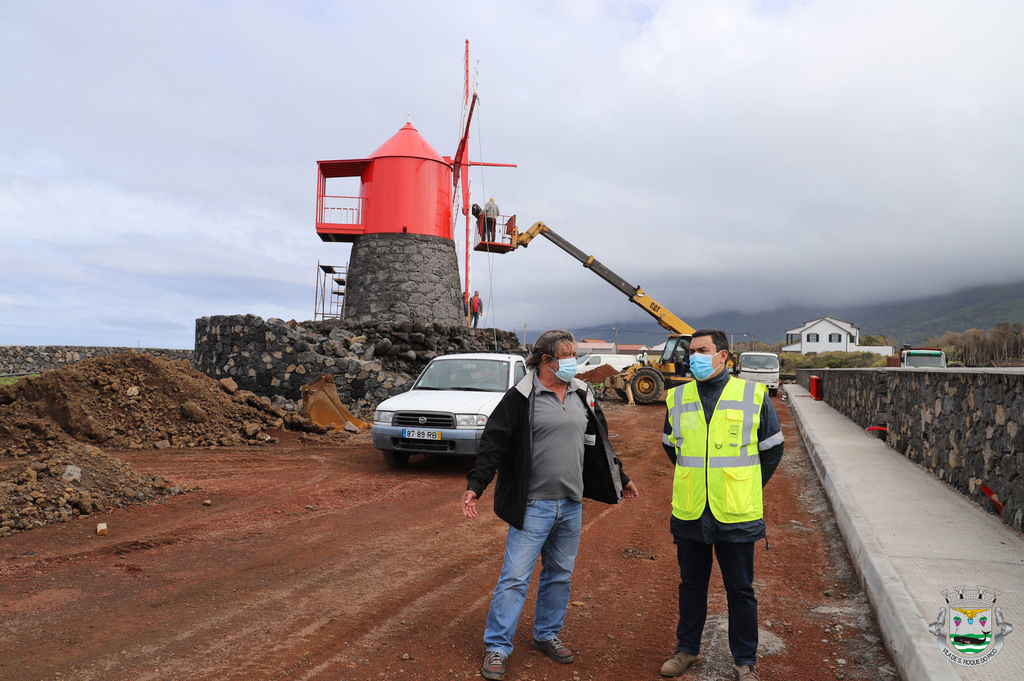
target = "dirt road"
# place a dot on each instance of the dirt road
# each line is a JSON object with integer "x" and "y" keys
{"x": 314, "y": 561}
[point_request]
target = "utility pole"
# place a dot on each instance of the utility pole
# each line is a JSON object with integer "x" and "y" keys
{"x": 616, "y": 351}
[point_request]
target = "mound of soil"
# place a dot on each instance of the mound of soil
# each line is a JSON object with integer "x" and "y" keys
{"x": 597, "y": 374}
{"x": 51, "y": 426}
{"x": 129, "y": 401}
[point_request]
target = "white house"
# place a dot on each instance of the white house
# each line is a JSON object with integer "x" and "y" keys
{"x": 828, "y": 334}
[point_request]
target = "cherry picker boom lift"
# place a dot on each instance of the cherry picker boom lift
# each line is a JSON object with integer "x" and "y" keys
{"x": 642, "y": 383}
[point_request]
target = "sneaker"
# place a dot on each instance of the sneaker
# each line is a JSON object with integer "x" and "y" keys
{"x": 746, "y": 673}
{"x": 494, "y": 665}
{"x": 554, "y": 649}
{"x": 679, "y": 663}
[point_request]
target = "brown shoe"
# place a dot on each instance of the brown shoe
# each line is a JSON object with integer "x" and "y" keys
{"x": 679, "y": 663}
{"x": 554, "y": 649}
{"x": 746, "y": 673}
{"x": 494, "y": 665}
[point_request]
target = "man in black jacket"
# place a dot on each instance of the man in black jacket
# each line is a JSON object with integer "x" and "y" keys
{"x": 548, "y": 442}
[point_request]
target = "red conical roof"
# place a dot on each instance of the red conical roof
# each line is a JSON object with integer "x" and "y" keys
{"x": 407, "y": 142}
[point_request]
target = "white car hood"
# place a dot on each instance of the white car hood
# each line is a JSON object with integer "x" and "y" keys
{"x": 453, "y": 401}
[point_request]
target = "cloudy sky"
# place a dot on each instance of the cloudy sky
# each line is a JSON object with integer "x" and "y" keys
{"x": 158, "y": 160}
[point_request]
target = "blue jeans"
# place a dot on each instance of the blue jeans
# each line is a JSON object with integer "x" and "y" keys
{"x": 551, "y": 530}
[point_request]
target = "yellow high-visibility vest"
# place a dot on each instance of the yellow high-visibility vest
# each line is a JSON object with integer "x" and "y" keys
{"x": 717, "y": 464}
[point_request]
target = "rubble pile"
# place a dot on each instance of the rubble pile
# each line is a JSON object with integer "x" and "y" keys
{"x": 63, "y": 483}
{"x": 131, "y": 401}
{"x": 51, "y": 426}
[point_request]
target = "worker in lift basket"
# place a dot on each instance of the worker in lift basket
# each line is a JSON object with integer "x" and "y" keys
{"x": 490, "y": 219}
{"x": 724, "y": 440}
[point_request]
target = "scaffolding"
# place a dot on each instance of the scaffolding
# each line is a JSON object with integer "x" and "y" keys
{"x": 330, "y": 291}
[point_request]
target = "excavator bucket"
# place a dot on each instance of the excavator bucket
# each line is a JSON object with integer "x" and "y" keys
{"x": 320, "y": 403}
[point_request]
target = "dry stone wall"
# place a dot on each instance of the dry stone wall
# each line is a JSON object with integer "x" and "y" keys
{"x": 370, "y": 362}
{"x": 962, "y": 425}
{"x": 35, "y": 359}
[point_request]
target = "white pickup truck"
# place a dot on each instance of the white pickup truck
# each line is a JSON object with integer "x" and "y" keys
{"x": 447, "y": 407}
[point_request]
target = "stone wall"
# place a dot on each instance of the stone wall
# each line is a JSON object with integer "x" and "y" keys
{"x": 964, "y": 426}
{"x": 370, "y": 362}
{"x": 403, "y": 277}
{"x": 34, "y": 359}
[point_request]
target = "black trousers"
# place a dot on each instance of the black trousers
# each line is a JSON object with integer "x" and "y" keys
{"x": 736, "y": 561}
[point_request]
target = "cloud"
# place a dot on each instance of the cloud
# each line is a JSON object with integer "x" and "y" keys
{"x": 157, "y": 162}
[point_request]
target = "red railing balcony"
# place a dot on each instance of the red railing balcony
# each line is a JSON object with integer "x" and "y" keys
{"x": 341, "y": 210}
{"x": 339, "y": 218}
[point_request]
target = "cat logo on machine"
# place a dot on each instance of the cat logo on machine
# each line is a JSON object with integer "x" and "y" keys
{"x": 970, "y": 630}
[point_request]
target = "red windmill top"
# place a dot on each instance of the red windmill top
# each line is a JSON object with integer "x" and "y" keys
{"x": 405, "y": 187}
{"x": 407, "y": 142}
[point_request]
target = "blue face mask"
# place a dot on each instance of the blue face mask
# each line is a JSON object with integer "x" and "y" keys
{"x": 566, "y": 369}
{"x": 702, "y": 366}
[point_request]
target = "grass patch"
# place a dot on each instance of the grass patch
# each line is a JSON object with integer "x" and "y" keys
{"x": 8, "y": 380}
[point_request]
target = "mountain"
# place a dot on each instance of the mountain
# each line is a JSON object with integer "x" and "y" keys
{"x": 908, "y": 321}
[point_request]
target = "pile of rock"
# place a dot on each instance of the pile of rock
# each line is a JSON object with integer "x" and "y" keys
{"x": 79, "y": 480}
{"x": 51, "y": 425}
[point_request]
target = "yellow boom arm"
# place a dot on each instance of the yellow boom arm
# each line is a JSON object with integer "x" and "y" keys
{"x": 636, "y": 294}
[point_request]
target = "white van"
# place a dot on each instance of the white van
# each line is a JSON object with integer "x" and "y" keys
{"x": 592, "y": 361}
{"x": 762, "y": 367}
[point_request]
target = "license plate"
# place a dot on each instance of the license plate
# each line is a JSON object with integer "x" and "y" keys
{"x": 414, "y": 434}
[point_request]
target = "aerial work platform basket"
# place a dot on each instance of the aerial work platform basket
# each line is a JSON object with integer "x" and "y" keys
{"x": 502, "y": 241}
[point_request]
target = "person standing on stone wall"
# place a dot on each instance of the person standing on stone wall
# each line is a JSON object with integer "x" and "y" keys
{"x": 724, "y": 440}
{"x": 546, "y": 436}
{"x": 476, "y": 307}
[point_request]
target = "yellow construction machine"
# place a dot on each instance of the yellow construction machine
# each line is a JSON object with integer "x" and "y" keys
{"x": 642, "y": 383}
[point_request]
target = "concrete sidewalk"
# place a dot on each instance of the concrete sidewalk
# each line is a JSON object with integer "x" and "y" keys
{"x": 911, "y": 537}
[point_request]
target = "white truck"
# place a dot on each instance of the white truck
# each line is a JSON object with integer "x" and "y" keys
{"x": 930, "y": 358}
{"x": 762, "y": 367}
{"x": 593, "y": 360}
{"x": 447, "y": 407}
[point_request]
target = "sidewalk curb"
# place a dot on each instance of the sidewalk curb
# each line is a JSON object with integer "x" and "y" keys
{"x": 906, "y": 635}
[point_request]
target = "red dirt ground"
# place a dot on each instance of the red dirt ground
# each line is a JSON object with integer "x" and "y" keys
{"x": 313, "y": 560}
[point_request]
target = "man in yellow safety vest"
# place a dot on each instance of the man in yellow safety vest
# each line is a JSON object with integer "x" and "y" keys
{"x": 723, "y": 436}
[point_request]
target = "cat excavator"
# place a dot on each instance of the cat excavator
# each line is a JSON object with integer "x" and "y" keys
{"x": 643, "y": 383}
